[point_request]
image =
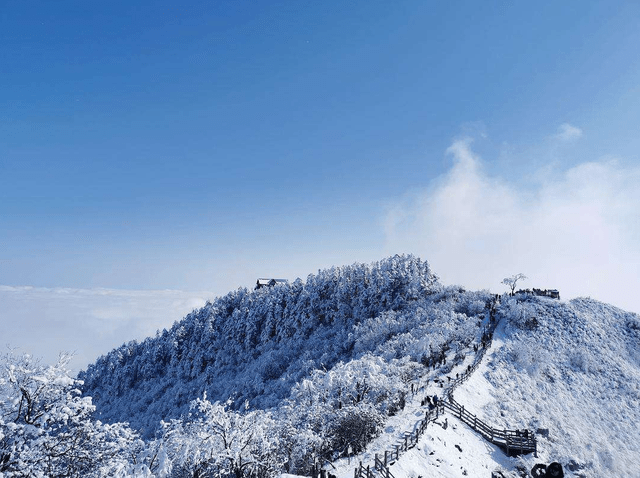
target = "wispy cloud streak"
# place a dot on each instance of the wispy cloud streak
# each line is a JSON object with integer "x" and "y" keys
{"x": 567, "y": 132}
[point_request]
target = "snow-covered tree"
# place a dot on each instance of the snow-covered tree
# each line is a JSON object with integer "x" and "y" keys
{"x": 215, "y": 441}
{"x": 46, "y": 427}
{"x": 255, "y": 345}
{"x": 513, "y": 280}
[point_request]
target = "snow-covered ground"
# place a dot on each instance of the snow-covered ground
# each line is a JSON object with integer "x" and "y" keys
{"x": 570, "y": 368}
{"x": 451, "y": 450}
{"x": 576, "y": 373}
{"x": 448, "y": 448}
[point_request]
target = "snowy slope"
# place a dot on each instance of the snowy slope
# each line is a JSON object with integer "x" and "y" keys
{"x": 451, "y": 450}
{"x": 576, "y": 372}
{"x": 572, "y": 368}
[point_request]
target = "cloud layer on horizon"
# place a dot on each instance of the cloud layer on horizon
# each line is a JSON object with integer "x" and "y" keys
{"x": 88, "y": 322}
{"x": 576, "y": 229}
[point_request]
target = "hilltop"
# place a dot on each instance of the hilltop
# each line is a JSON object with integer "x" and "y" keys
{"x": 332, "y": 363}
{"x": 255, "y": 345}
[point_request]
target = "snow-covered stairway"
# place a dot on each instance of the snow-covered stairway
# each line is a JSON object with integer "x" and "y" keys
{"x": 386, "y": 459}
{"x": 383, "y": 461}
{"x": 513, "y": 442}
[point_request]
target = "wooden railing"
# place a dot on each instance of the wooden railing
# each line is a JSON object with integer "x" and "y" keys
{"x": 453, "y": 384}
{"x": 514, "y": 442}
{"x": 362, "y": 472}
{"x": 411, "y": 438}
{"x": 382, "y": 467}
{"x": 382, "y": 462}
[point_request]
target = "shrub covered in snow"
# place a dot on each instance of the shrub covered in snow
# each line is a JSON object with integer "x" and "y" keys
{"x": 575, "y": 373}
{"x": 46, "y": 427}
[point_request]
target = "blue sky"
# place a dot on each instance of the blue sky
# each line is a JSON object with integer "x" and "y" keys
{"x": 150, "y": 146}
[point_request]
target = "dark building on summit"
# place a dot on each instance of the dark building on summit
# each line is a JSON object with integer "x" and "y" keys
{"x": 269, "y": 282}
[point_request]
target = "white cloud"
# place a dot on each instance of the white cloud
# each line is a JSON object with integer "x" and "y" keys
{"x": 90, "y": 322}
{"x": 567, "y": 132}
{"x": 577, "y": 230}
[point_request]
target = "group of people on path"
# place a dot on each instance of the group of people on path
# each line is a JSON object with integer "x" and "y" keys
{"x": 431, "y": 402}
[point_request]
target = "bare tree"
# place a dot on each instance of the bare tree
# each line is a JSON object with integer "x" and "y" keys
{"x": 512, "y": 281}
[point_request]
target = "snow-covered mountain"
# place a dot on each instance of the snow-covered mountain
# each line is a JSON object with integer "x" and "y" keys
{"x": 571, "y": 369}
{"x": 335, "y": 370}
{"x": 256, "y": 345}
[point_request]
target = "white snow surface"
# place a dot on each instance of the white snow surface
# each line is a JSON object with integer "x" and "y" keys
{"x": 577, "y": 373}
{"x": 453, "y": 451}
{"x": 444, "y": 450}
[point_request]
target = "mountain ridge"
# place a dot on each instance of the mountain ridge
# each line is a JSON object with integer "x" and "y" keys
{"x": 252, "y": 345}
{"x": 329, "y": 356}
